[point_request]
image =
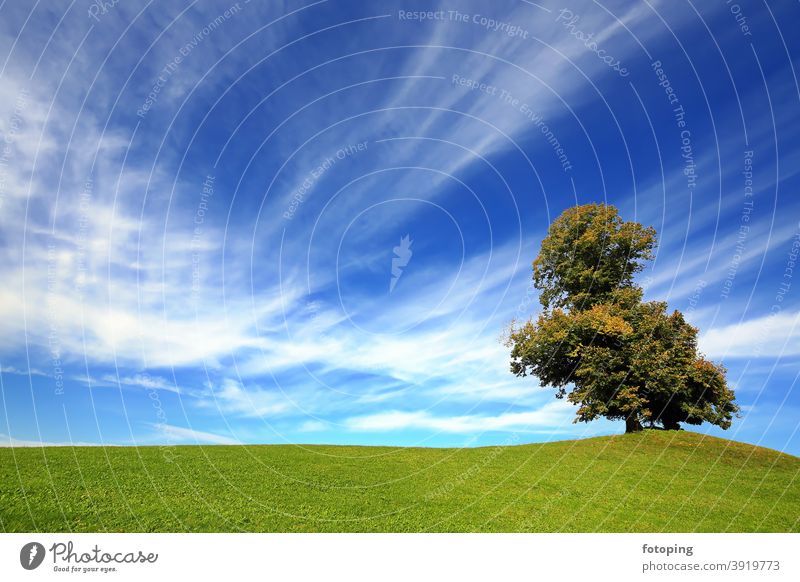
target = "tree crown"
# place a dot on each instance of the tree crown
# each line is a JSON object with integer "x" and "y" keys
{"x": 624, "y": 358}
{"x": 590, "y": 252}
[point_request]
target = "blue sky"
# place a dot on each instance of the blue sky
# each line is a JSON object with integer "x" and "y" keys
{"x": 309, "y": 222}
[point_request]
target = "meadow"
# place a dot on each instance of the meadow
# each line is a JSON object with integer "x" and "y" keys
{"x": 672, "y": 481}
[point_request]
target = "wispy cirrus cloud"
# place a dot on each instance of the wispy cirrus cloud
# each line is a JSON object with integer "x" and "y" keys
{"x": 549, "y": 418}
{"x": 177, "y": 434}
{"x": 776, "y": 335}
{"x": 11, "y": 442}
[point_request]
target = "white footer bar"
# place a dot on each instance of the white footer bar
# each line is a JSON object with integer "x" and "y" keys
{"x": 401, "y": 557}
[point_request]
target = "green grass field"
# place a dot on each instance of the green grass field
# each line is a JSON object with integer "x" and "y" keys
{"x": 653, "y": 481}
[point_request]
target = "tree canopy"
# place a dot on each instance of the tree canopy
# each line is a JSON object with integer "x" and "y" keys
{"x": 600, "y": 345}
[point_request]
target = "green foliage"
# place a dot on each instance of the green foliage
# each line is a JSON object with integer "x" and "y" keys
{"x": 625, "y": 359}
{"x": 650, "y": 481}
{"x": 588, "y": 254}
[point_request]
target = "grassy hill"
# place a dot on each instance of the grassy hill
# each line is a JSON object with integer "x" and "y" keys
{"x": 653, "y": 481}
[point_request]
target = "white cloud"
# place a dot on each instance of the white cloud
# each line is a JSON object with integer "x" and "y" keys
{"x": 231, "y": 398}
{"x": 177, "y": 434}
{"x": 141, "y": 381}
{"x": 550, "y": 416}
{"x": 680, "y": 278}
{"x": 514, "y": 390}
{"x": 312, "y": 426}
{"x": 776, "y": 335}
{"x": 9, "y": 441}
{"x": 18, "y": 372}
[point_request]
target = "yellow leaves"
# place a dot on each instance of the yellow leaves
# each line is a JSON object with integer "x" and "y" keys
{"x": 602, "y": 319}
{"x": 629, "y": 400}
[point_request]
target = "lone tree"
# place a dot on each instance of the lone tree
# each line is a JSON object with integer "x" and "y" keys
{"x": 623, "y": 358}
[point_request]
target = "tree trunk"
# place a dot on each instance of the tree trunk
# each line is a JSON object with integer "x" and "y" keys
{"x": 632, "y": 424}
